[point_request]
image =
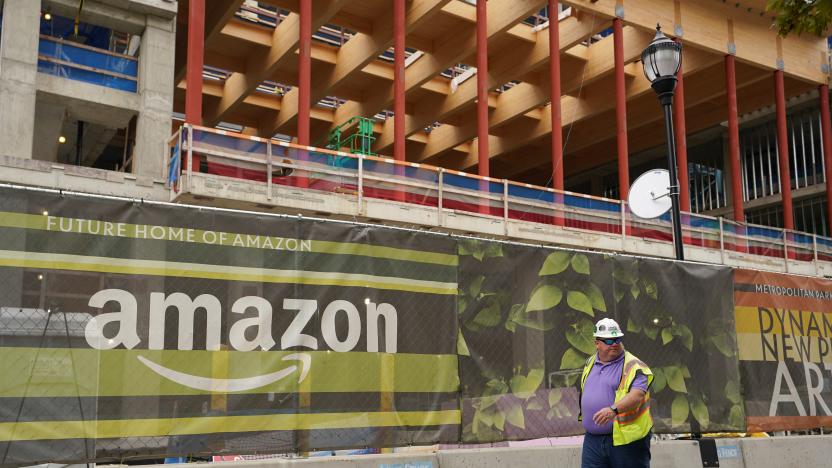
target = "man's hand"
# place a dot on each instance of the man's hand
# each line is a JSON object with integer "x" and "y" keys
{"x": 603, "y": 416}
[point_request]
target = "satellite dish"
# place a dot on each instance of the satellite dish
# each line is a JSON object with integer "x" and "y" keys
{"x": 650, "y": 194}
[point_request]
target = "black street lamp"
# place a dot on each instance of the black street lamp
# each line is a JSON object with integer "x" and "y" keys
{"x": 661, "y": 60}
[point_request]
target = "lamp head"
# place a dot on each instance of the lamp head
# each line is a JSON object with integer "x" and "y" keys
{"x": 661, "y": 60}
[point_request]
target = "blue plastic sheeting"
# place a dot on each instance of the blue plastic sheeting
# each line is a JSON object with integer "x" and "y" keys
{"x": 410, "y": 172}
{"x": 696, "y": 222}
{"x": 470, "y": 183}
{"x": 764, "y": 232}
{"x": 68, "y": 53}
{"x": 796, "y": 238}
{"x": 825, "y": 241}
{"x": 60, "y": 26}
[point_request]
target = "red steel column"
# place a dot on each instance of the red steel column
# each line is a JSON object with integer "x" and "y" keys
{"x": 734, "y": 137}
{"x": 826, "y": 128}
{"x": 554, "y": 76}
{"x": 681, "y": 143}
{"x": 304, "y": 79}
{"x": 482, "y": 96}
{"x": 195, "y": 60}
{"x": 621, "y": 111}
{"x": 783, "y": 150}
{"x": 557, "y": 130}
{"x": 398, "y": 89}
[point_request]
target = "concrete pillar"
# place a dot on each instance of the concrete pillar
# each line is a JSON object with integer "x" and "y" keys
{"x": 18, "y": 72}
{"x": 153, "y": 126}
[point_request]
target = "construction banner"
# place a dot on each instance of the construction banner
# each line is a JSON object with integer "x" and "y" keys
{"x": 526, "y": 322}
{"x": 129, "y": 330}
{"x": 784, "y": 333}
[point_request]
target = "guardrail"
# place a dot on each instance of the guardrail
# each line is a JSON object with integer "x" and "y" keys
{"x": 80, "y": 62}
{"x": 277, "y": 163}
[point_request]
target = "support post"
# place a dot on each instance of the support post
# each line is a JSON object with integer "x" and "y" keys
{"x": 557, "y": 130}
{"x": 621, "y": 110}
{"x": 721, "y": 241}
{"x": 783, "y": 151}
{"x": 269, "y": 170}
{"x": 398, "y": 87}
{"x": 193, "y": 77}
{"x": 826, "y": 131}
{"x": 678, "y": 241}
{"x": 734, "y": 138}
{"x": 360, "y": 184}
{"x": 304, "y": 83}
{"x": 681, "y": 141}
{"x": 482, "y": 99}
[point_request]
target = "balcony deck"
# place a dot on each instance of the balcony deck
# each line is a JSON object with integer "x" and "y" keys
{"x": 225, "y": 169}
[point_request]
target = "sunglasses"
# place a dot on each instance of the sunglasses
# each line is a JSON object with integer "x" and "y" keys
{"x": 610, "y": 341}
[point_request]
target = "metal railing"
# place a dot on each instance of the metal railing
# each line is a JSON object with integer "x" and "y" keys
{"x": 194, "y": 149}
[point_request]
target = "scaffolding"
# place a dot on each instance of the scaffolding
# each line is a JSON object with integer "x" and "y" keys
{"x": 355, "y": 134}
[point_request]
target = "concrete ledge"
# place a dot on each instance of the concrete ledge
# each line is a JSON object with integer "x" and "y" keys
{"x": 775, "y": 452}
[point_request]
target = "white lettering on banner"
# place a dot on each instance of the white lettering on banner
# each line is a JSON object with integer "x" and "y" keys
{"x": 185, "y": 307}
{"x": 814, "y": 385}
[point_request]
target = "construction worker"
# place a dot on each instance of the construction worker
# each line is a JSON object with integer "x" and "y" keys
{"x": 616, "y": 402}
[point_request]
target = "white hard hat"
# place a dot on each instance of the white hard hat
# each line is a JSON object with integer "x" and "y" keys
{"x": 607, "y": 328}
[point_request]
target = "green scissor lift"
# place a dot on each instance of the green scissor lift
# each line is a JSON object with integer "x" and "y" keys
{"x": 355, "y": 134}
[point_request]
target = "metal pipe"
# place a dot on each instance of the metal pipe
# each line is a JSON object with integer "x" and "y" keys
{"x": 678, "y": 241}
{"x": 734, "y": 137}
{"x": 621, "y": 111}
{"x": 782, "y": 143}
{"x": 79, "y": 143}
{"x": 681, "y": 141}
{"x": 826, "y": 136}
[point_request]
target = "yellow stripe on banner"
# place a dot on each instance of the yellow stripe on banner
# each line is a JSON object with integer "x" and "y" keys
{"x": 231, "y": 239}
{"x": 781, "y": 321}
{"x": 77, "y": 372}
{"x": 105, "y": 429}
{"x": 221, "y": 272}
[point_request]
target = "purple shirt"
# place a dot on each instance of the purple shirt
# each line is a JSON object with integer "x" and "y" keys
{"x": 599, "y": 391}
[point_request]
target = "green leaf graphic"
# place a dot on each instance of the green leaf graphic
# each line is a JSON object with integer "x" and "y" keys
{"x": 667, "y": 336}
{"x": 659, "y": 381}
{"x": 555, "y": 395}
{"x": 535, "y": 404}
{"x": 580, "y": 263}
{"x": 596, "y": 297}
{"x": 732, "y": 391}
{"x": 493, "y": 249}
{"x": 476, "y": 286}
{"x": 489, "y": 315}
{"x": 525, "y": 386}
{"x": 675, "y": 379}
{"x": 724, "y": 344}
{"x": 582, "y": 337}
{"x": 578, "y": 301}
{"x": 515, "y": 416}
{"x": 700, "y": 411}
{"x": 650, "y": 288}
{"x": 685, "y": 335}
{"x": 624, "y": 275}
{"x": 633, "y": 327}
{"x": 544, "y": 297}
{"x": 679, "y": 410}
{"x": 572, "y": 360}
{"x": 737, "y": 417}
{"x": 555, "y": 263}
{"x": 461, "y": 346}
{"x": 635, "y": 291}
{"x": 500, "y": 420}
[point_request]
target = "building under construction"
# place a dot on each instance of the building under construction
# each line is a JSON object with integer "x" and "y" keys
{"x": 237, "y": 227}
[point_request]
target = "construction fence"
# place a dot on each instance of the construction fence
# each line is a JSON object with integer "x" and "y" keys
{"x": 138, "y": 330}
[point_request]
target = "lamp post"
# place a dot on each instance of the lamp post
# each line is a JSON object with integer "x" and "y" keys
{"x": 661, "y": 60}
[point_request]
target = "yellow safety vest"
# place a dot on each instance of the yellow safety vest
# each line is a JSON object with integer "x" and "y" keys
{"x": 632, "y": 425}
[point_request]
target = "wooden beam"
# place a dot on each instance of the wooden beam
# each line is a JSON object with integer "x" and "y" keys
{"x": 519, "y": 100}
{"x": 505, "y": 66}
{"x": 597, "y": 101}
{"x": 449, "y": 50}
{"x": 355, "y": 55}
{"x": 720, "y": 28}
{"x": 263, "y": 63}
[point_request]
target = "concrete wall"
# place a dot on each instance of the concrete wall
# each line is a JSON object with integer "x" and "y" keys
{"x": 18, "y": 71}
{"x": 775, "y": 452}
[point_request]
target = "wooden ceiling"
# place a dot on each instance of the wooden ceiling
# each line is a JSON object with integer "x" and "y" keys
{"x": 520, "y": 127}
